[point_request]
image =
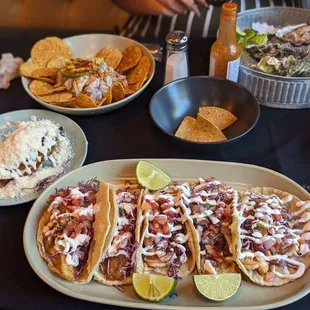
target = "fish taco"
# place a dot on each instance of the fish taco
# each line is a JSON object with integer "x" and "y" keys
{"x": 208, "y": 206}
{"x": 166, "y": 245}
{"x": 271, "y": 236}
{"x": 72, "y": 231}
{"x": 118, "y": 260}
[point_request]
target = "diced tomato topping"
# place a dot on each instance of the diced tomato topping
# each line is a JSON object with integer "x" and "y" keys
{"x": 206, "y": 233}
{"x": 227, "y": 219}
{"x": 227, "y": 212}
{"x": 148, "y": 242}
{"x": 276, "y": 217}
{"x": 166, "y": 229}
{"x": 264, "y": 231}
{"x": 195, "y": 208}
{"x": 77, "y": 201}
{"x": 171, "y": 215}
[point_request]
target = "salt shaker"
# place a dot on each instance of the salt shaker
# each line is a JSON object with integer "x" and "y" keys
{"x": 176, "y": 59}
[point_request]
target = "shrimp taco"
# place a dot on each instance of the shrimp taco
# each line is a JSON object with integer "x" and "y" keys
{"x": 72, "y": 231}
{"x": 166, "y": 245}
{"x": 118, "y": 259}
{"x": 208, "y": 206}
{"x": 271, "y": 236}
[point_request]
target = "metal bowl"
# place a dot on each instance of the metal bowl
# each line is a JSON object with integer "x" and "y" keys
{"x": 272, "y": 90}
{"x": 183, "y": 97}
{"x": 86, "y": 46}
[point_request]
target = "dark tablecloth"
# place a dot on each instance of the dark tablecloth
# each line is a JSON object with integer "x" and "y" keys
{"x": 280, "y": 141}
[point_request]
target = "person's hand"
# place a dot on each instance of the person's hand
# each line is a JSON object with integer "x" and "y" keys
{"x": 160, "y": 7}
{"x": 180, "y": 6}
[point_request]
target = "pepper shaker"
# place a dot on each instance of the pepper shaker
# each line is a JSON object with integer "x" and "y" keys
{"x": 176, "y": 59}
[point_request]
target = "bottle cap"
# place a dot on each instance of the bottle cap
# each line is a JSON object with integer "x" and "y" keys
{"x": 177, "y": 39}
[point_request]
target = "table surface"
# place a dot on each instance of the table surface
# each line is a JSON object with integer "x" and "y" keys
{"x": 280, "y": 141}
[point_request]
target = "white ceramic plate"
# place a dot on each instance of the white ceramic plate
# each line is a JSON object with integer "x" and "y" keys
{"x": 86, "y": 46}
{"x": 72, "y": 129}
{"x": 241, "y": 176}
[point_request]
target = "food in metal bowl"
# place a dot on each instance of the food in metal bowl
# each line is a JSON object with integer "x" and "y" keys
{"x": 277, "y": 51}
{"x": 297, "y": 34}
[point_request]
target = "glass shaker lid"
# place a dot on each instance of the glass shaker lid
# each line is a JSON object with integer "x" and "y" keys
{"x": 177, "y": 39}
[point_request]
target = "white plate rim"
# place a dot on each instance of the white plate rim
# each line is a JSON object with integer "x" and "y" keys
{"x": 138, "y": 305}
{"x": 66, "y": 119}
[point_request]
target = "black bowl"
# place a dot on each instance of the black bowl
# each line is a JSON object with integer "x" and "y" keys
{"x": 183, "y": 97}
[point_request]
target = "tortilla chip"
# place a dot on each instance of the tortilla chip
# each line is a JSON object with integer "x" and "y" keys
{"x": 186, "y": 127}
{"x": 205, "y": 131}
{"x": 108, "y": 97}
{"x": 139, "y": 70}
{"x": 48, "y": 48}
{"x": 45, "y": 72}
{"x": 57, "y": 97}
{"x": 84, "y": 101}
{"x": 131, "y": 89}
{"x": 118, "y": 92}
{"x": 58, "y": 62}
{"x": 111, "y": 55}
{"x": 27, "y": 68}
{"x": 131, "y": 57}
{"x": 218, "y": 116}
{"x": 40, "y": 88}
{"x": 100, "y": 103}
{"x": 44, "y": 79}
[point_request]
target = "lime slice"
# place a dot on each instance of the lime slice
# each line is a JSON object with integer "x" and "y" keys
{"x": 240, "y": 32}
{"x": 153, "y": 287}
{"x": 151, "y": 177}
{"x": 218, "y": 287}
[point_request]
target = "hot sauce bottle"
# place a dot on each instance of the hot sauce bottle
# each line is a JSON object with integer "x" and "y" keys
{"x": 225, "y": 51}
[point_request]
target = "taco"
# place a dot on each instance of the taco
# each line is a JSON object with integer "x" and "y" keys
{"x": 270, "y": 238}
{"x": 72, "y": 231}
{"x": 118, "y": 259}
{"x": 166, "y": 245}
{"x": 208, "y": 205}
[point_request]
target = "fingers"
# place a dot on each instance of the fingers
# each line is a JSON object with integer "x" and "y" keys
{"x": 147, "y": 7}
{"x": 155, "y": 7}
{"x": 174, "y": 5}
{"x": 191, "y": 6}
{"x": 201, "y": 2}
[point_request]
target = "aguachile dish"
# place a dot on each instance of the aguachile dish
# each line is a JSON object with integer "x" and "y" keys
{"x": 113, "y": 232}
{"x": 59, "y": 79}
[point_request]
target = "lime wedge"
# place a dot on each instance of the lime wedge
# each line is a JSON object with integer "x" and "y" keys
{"x": 151, "y": 177}
{"x": 218, "y": 287}
{"x": 153, "y": 287}
{"x": 240, "y": 32}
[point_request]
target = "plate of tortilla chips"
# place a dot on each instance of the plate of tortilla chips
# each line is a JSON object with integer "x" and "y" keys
{"x": 87, "y": 74}
{"x": 92, "y": 229}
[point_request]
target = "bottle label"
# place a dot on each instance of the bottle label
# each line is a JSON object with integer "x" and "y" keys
{"x": 233, "y": 70}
